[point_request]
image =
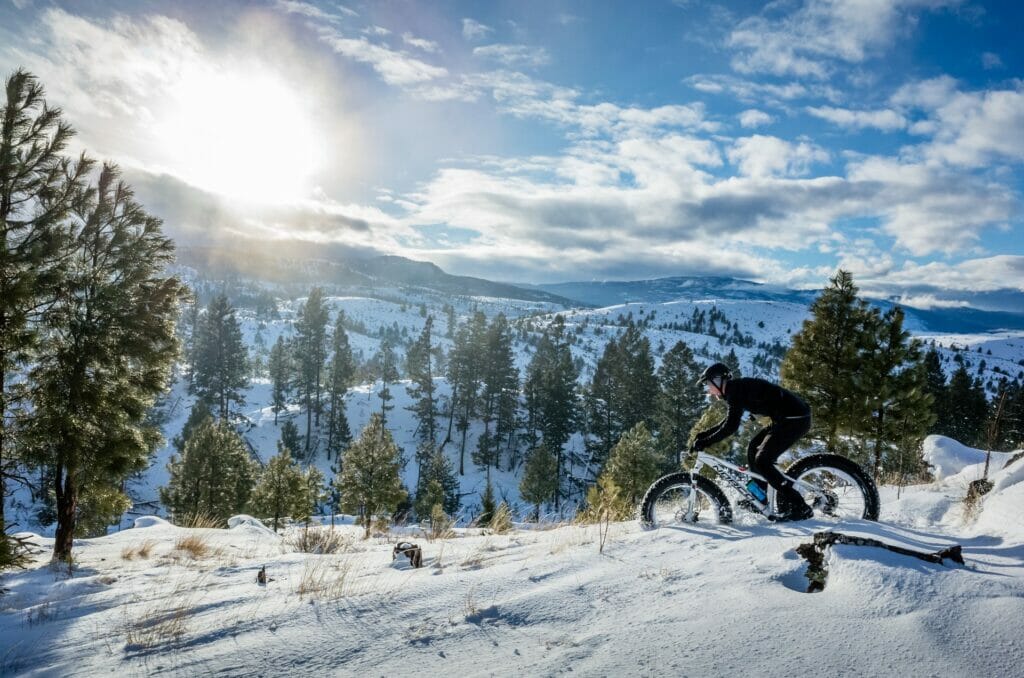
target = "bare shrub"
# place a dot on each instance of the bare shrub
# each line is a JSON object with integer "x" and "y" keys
{"x": 320, "y": 540}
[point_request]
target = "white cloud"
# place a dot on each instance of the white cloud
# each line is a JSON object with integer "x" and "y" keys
{"x": 474, "y": 30}
{"x": 753, "y": 117}
{"x": 884, "y": 120}
{"x": 767, "y": 156}
{"x": 420, "y": 43}
{"x": 514, "y": 56}
{"x": 970, "y": 129}
{"x": 310, "y": 10}
{"x": 805, "y": 42}
{"x": 991, "y": 61}
{"x": 395, "y": 68}
{"x": 750, "y": 91}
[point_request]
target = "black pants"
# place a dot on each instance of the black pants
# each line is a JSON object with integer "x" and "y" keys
{"x": 768, "y": 445}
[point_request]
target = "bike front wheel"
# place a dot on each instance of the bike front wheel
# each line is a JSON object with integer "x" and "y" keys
{"x": 681, "y": 498}
{"x": 835, "y": 487}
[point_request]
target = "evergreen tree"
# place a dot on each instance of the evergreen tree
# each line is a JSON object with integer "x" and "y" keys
{"x": 935, "y": 385}
{"x": 437, "y": 484}
{"x": 550, "y": 394}
{"x": 464, "y": 375}
{"x": 823, "y": 362}
{"x": 419, "y": 367}
{"x": 968, "y": 407}
{"x": 680, "y": 400}
{"x": 487, "y": 505}
{"x": 280, "y": 377}
{"x": 213, "y": 477}
{"x": 370, "y": 484}
{"x": 39, "y": 187}
{"x": 220, "y": 374}
{"x": 893, "y": 376}
{"x": 634, "y": 464}
{"x": 311, "y": 349}
{"x": 387, "y": 372}
{"x": 500, "y": 393}
{"x": 339, "y": 377}
{"x": 623, "y": 390}
{"x": 107, "y": 353}
{"x": 291, "y": 439}
{"x": 200, "y": 412}
{"x": 281, "y": 489}
{"x": 540, "y": 478}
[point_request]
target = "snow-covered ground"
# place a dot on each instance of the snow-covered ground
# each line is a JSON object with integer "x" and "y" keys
{"x": 691, "y": 600}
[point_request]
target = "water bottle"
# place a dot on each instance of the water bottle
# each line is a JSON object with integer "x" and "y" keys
{"x": 755, "y": 489}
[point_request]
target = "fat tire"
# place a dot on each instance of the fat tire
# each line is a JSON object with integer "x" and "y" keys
{"x": 842, "y": 464}
{"x": 714, "y": 494}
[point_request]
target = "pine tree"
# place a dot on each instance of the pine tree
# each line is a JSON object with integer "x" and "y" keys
{"x": 290, "y": 436}
{"x": 893, "y": 377}
{"x": 370, "y": 484}
{"x": 487, "y": 505}
{"x": 213, "y": 477}
{"x": 339, "y": 377}
{"x": 419, "y": 367}
{"x": 500, "y": 393}
{"x": 540, "y": 479}
{"x": 550, "y": 394}
{"x": 107, "y": 353}
{"x": 824, "y": 360}
{"x": 311, "y": 349}
{"x": 600, "y": 401}
{"x": 387, "y": 372}
{"x": 280, "y": 377}
{"x": 935, "y": 385}
{"x": 968, "y": 407}
{"x": 39, "y": 186}
{"x": 638, "y": 385}
{"x": 221, "y": 372}
{"x": 437, "y": 484}
{"x": 281, "y": 489}
{"x": 635, "y": 463}
{"x": 464, "y": 375}
{"x": 680, "y": 400}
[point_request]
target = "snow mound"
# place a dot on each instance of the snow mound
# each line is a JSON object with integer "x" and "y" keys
{"x": 150, "y": 521}
{"x": 1001, "y": 511}
{"x": 947, "y": 457}
{"x": 244, "y": 522}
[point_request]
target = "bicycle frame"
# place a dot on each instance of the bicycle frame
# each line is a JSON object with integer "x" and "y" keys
{"x": 737, "y": 478}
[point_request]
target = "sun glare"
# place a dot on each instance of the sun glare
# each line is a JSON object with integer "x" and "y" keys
{"x": 247, "y": 136}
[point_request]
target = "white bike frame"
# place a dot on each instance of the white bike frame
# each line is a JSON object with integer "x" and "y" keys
{"x": 737, "y": 477}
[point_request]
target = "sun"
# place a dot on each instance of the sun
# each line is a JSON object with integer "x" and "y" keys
{"x": 244, "y": 135}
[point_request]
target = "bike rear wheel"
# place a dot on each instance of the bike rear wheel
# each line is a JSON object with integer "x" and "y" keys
{"x": 680, "y": 498}
{"x": 842, "y": 489}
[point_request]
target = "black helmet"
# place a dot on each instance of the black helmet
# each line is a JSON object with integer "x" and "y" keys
{"x": 715, "y": 371}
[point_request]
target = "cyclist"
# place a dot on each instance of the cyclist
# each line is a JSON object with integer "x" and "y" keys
{"x": 791, "y": 419}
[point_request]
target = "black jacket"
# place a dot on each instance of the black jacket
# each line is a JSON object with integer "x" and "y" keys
{"x": 756, "y": 396}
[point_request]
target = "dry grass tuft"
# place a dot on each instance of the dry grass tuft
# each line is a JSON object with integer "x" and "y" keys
{"x": 501, "y": 522}
{"x": 165, "y": 619}
{"x": 325, "y": 580}
{"x": 194, "y": 545}
{"x": 201, "y": 521}
{"x": 140, "y": 550}
{"x": 322, "y": 540}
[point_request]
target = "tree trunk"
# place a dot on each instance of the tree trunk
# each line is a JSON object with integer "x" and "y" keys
{"x": 67, "y": 504}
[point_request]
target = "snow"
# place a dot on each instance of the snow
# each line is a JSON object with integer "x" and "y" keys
{"x": 691, "y": 600}
{"x": 542, "y": 600}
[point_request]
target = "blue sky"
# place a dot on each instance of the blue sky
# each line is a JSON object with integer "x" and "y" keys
{"x": 553, "y": 141}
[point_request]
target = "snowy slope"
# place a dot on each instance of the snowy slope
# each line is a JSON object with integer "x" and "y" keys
{"x": 677, "y": 601}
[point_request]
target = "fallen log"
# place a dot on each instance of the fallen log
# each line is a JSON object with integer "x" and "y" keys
{"x": 814, "y": 554}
